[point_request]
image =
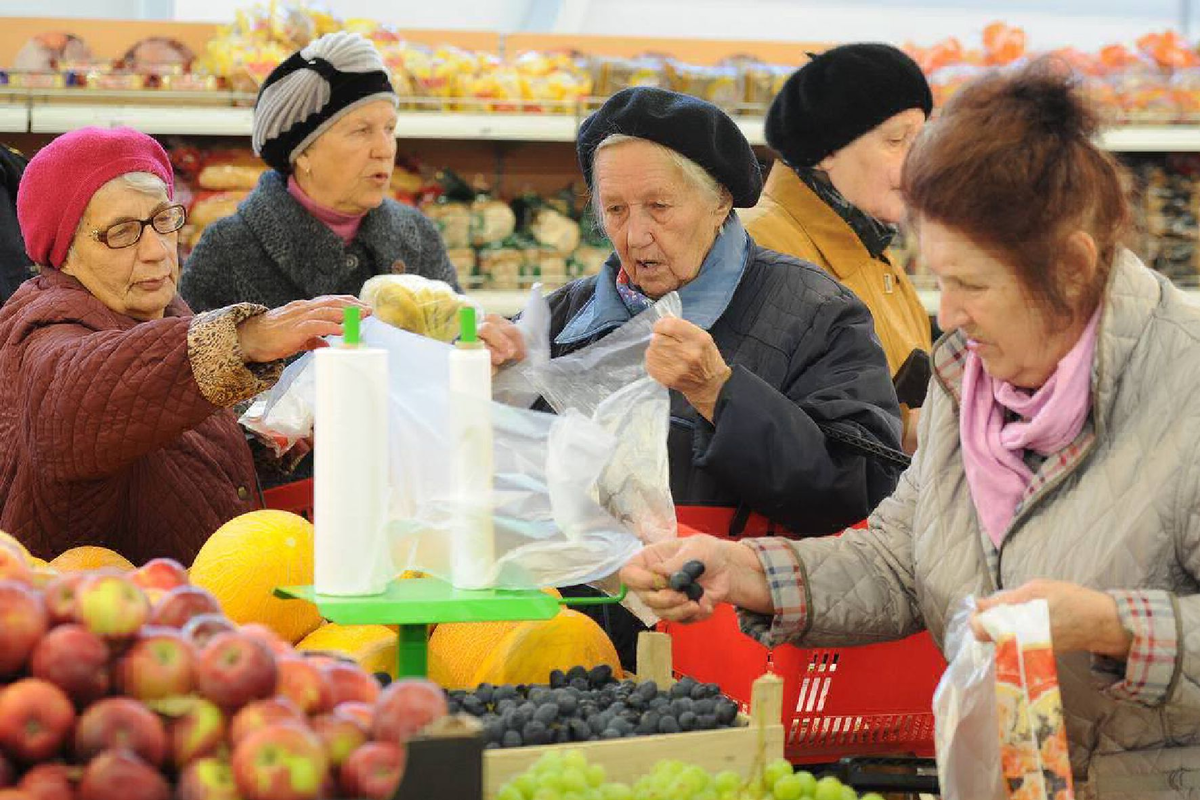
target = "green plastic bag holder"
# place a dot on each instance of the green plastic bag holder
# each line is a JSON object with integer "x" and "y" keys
{"x": 416, "y": 603}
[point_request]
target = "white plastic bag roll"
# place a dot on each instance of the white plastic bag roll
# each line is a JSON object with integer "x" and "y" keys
{"x": 350, "y": 472}
{"x": 473, "y": 550}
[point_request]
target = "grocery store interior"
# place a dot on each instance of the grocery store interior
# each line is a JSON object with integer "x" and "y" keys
{"x": 481, "y": 582}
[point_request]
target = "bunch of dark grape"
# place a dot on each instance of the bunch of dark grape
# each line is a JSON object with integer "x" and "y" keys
{"x": 582, "y": 705}
{"x": 685, "y": 580}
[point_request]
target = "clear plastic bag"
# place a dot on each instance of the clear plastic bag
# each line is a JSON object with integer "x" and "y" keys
{"x": 572, "y": 491}
{"x": 415, "y": 303}
{"x": 964, "y": 710}
{"x": 998, "y": 713}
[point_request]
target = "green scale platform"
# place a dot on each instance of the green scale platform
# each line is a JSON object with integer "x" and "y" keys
{"x": 415, "y": 604}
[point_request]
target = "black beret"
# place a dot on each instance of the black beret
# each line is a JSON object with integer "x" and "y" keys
{"x": 688, "y": 125}
{"x": 840, "y": 95}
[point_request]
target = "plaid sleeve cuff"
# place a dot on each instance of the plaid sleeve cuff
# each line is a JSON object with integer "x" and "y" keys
{"x": 789, "y": 595}
{"x": 1149, "y": 672}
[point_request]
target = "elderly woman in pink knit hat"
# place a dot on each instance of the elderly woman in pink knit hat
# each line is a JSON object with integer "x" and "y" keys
{"x": 114, "y": 398}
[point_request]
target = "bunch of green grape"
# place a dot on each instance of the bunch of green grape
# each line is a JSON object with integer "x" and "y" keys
{"x": 568, "y": 776}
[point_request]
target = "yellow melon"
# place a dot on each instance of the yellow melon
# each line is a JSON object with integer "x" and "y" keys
{"x": 247, "y": 558}
{"x": 374, "y": 647}
{"x": 532, "y": 650}
{"x": 79, "y": 559}
{"x": 456, "y": 649}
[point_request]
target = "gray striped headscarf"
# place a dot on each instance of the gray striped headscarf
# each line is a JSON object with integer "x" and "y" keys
{"x": 311, "y": 90}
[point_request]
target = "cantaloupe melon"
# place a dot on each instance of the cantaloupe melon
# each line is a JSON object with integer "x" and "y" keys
{"x": 374, "y": 647}
{"x": 86, "y": 557}
{"x": 248, "y": 558}
{"x": 456, "y": 649}
{"x": 533, "y": 649}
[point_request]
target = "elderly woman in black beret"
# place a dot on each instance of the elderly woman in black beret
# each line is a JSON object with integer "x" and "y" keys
{"x": 771, "y": 355}
{"x": 773, "y": 366}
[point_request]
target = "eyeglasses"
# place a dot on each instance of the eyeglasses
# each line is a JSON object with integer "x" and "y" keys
{"x": 129, "y": 232}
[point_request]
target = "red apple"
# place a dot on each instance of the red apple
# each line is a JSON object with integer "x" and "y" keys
{"x": 350, "y": 682}
{"x": 49, "y": 782}
{"x": 341, "y": 734}
{"x": 260, "y": 714}
{"x": 35, "y": 719}
{"x": 374, "y": 771}
{"x": 121, "y": 722}
{"x": 161, "y": 663}
{"x": 269, "y": 637}
{"x": 13, "y": 566}
{"x": 198, "y": 732}
{"x": 59, "y": 595}
{"x": 235, "y": 669}
{"x": 160, "y": 573}
{"x": 121, "y": 775}
{"x": 304, "y": 685}
{"x": 7, "y": 773}
{"x": 111, "y": 606}
{"x": 75, "y": 660}
{"x": 23, "y": 622}
{"x": 202, "y": 628}
{"x": 280, "y": 762}
{"x": 207, "y": 779}
{"x": 363, "y": 713}
{"x": 405, "y": 707}
{"x": 181, "y": 604}
{"x": 15, "y": 794}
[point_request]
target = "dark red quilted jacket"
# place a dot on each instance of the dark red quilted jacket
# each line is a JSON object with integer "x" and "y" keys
{"x": 105, "y": 435}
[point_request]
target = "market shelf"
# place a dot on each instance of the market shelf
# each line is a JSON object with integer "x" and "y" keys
{"x": 14, "y": 119}
{"x": 1152, "y": 139}
{"x": 225, "y": 114}
{"x": 201, "y": 121}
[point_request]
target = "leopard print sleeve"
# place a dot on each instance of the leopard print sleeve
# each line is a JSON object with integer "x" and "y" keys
{"x": 218, "y": 364}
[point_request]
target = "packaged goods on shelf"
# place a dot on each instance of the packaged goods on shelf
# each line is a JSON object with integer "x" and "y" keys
{"x": 1167, "y": 204}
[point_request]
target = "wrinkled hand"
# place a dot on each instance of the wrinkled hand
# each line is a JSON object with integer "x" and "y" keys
{"x": 294, "y": 328}
{"x": 732, "y": 573}
{"x": 1081, "y": 619}
{"x": 684, "y": 357}
{"x": 502, "y": 339}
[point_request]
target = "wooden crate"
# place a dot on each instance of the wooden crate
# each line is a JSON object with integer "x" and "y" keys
{"x": 744, "y": 749}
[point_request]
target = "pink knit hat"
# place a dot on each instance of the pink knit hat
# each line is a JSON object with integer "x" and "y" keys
{"x": 62, "y": 177}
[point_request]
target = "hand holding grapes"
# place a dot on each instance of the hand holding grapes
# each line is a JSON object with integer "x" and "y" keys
{"x": 731, "y": 572}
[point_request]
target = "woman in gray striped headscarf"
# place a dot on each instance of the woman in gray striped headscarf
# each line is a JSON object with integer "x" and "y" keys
{"x": 320, "y": 220}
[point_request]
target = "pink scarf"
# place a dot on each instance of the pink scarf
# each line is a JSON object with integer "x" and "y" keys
{"x": 1050, "y": 419}
{"x": 345, "y": 226}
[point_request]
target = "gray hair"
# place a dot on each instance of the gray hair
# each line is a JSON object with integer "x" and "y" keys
{"x": 146, "y": 183}
{"x": 697, "y": 177}
{"x": 299, "y": 95}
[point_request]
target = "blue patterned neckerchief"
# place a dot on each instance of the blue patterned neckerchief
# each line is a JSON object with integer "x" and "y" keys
{"x": 631, "y": 295}
{"x": 875, "y": 235}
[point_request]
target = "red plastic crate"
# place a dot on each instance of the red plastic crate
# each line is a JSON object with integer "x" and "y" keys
{"x": 295, "y": 497}
{"x": 850, "y": 701}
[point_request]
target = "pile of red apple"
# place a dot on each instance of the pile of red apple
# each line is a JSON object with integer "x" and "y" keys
{"x": 135, "y": 687}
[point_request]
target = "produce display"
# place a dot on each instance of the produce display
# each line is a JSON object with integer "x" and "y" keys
{"x": 126, "y": 683}
{"x": 1166, "y": 208}
{"x": 582, "y": 705}
{"x": 569, "y": 775}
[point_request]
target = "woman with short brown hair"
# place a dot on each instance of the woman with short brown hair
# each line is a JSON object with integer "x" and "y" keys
{"x": 1065, "y": 364}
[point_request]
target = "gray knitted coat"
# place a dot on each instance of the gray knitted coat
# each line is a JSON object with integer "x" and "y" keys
{"x": 272, "y": 251}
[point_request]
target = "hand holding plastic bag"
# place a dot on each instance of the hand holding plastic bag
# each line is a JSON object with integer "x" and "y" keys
{"x": 999, "y": 726}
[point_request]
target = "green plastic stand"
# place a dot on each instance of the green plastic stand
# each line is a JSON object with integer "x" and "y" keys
{"x": 414, "y": 604}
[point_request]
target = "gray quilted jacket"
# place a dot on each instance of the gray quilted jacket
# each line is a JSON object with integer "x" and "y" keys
{"x": 272, "y": 251}
{"x": 1119, "y": 511}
